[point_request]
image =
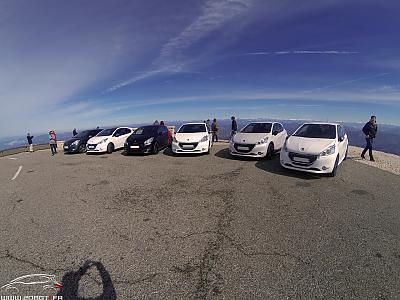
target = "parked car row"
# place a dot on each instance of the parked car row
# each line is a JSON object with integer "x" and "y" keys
{"x": 313, "y": 147}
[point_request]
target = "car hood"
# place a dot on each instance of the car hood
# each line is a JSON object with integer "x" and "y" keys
{"x": 190, "y": 137}
{"x": 138, "y": 138}
{"x": 97, "y": 139}
{"x": 70, "y": 141}
{"x": 308, "y": 145}
{"x": 249, "y": 138}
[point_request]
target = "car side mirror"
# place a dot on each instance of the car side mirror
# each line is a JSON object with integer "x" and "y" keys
{"x": 275, "y": 132}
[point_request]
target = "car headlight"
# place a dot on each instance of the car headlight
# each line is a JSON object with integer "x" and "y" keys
{"x": 262, "y": 141}
{"x": 328, "y": 151}
{"x": 148, "y": 142}
{"x": 204, "y": 139}
{"x": 75, "y": 143}
{"x": 103, "y": 141}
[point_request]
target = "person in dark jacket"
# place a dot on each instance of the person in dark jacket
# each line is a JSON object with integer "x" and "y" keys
{"x": 214, "y": 130}
{"x": 234, "y": 126}
{"x": 74, "y": 132}
{"x": 30, "y": 137}
{"x": 370, "y": 129}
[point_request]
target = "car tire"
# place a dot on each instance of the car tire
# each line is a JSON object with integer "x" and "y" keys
{"x": 209, "y": 148}
{"x": 110, "y": 148}
{"x": 270, "y": 151}
{"x": 345, "y": 156}
{"x": 155, "y": 148}
{"x": 82, "y": 148}
{"x": 334, "y": 171}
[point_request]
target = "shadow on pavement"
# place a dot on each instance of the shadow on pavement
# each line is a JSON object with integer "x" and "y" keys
{"x": 224, "y": 153}
{"x": 70, "y": 283}
{"x": 274, "y": 166}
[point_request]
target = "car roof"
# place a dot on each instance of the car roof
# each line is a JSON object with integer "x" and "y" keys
{"x": 198, "y": 123}
{"x": 322, "y": 123}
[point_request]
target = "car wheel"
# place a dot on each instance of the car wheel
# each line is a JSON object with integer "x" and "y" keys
{"x": 110, "y": 148}
{"x": 270, "y": 151}
{"x": 347, "y": 150}
{"x": 155, "y": 148}
{"x": 334, "y": 171}
{"x": 82, "y": 148}
{"x": 209, "y": 148}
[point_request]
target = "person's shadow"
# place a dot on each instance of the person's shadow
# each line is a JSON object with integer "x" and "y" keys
{"x": 70, "y": 283}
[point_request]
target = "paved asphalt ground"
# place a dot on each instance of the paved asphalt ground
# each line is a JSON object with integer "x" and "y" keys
{"x": 208, "y": 227}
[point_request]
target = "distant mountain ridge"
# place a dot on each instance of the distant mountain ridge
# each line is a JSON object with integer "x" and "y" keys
{"x": 388, "y": 137}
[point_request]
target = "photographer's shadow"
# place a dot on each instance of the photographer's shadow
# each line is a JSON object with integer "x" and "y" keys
{"x": 70, "y": 283}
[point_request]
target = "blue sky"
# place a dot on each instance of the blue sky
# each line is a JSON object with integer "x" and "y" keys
{"x": 66, "y": 64}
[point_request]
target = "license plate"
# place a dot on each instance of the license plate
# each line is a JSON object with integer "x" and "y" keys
{"x": 91, "y": 147}
{"x": 243, "y": 148}
{"x": 187, "y": 146}
{"x": 301, "y": 159}
{"x": 66, "y": 147}
{"x": 134, "y": 147}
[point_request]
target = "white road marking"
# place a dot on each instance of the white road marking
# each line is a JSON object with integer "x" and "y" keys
{"x": 16, "y": 174}
{"x": 11, "y": 158}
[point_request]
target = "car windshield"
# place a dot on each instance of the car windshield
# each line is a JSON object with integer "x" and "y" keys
{"x": 257, "y": 128}
{"x": 146, "y": 130}
{"x": 317, "y": 131}
{"x": 84, "y": 134}
{"x": 192, "y": 128}
{"x": 106, "y": 132}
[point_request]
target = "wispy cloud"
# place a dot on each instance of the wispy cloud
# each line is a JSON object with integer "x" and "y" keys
{"x": 329, "y": 52}
{"x": 346, "y": 82}
{"x": 172, "y": 58}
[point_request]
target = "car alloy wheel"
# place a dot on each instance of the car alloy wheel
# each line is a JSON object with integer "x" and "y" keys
{"x": 82, "y": 148}
{"x": 334, "y": 171}
{"x": 155, "y": 148}
{"x": 270, "y": 151}
{"x": 110, "y": 148}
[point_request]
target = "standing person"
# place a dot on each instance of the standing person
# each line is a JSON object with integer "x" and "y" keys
{"x": 234, "y": 126}
{"x": 370, "y": 129}
{"x": 162, "y": 123}
{"x": 29, "y": 137}
{"x": 208, "y": 124}
{"x": 214, "y": 129}
{"x": 74, "y": 132}
{"x": 53, "y": 142}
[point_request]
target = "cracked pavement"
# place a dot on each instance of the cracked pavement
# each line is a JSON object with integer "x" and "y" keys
{"x": 199, "y": 227}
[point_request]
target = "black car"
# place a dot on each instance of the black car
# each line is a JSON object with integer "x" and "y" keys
{"x": 147, "y": 139}
{"x": 77, "y": 144}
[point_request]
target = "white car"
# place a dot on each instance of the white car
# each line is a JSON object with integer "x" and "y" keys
{"x": 108, "y": 140}
{"x": 192, "y": 138}
{"x": 258, "y": 139}
{"x": 315, "y": 148}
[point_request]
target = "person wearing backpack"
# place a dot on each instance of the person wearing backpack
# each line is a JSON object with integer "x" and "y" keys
{"x": 370, "y": 129}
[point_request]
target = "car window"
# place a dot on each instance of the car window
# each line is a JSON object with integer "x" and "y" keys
{"x": 341, "y": 132}
{"x": 277, "y": 127}
{"x": 257, "y": 128}
{"x": 318, "y": 131}
{"x": 192, "y": 128}
{"x": 146, "y": 130}
{"x": 106, "y": 132}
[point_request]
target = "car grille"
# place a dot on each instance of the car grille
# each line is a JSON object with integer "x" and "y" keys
{"x": 188, "y": 146}
{"x": 248, "y": 146}
{"x": 303, "y": 159}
